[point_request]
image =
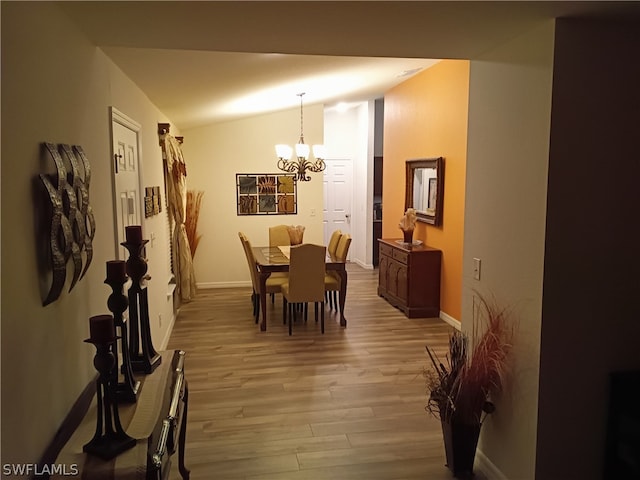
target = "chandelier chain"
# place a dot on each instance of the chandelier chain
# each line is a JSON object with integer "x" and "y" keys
{"x": 301, "y": 165}
{"x": 301, "y": 119}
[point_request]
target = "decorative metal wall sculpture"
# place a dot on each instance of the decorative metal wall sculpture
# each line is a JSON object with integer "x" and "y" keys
{"x": 71, "y": 224}
{"x": 266, "y": 193}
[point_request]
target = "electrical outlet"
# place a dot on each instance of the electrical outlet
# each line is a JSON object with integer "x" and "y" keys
{"x": 313, "y": 212}
{"x": 476, "y": 268}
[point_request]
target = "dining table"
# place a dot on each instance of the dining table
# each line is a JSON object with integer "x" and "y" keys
{"x": 276, "y": 259}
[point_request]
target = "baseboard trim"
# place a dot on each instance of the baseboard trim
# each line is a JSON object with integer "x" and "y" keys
{"x": 366, "y": 266}
{"x": 167, "y": 336}
{"x": 488, "y": 469}
{"x": 450, "y": 320}
{"x": 209, "y": 285}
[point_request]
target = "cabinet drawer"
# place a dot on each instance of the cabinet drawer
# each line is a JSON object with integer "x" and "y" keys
{"x": 386, "y": 250}
{"x": 401, "y": 256}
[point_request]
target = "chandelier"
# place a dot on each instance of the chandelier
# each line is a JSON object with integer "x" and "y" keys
{"x": 301, "y": 164}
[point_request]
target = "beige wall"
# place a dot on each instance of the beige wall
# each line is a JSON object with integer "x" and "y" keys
{"x": 214, "y": 154}
{"x": 57, "y": 87}
{"x": 509, "y": 118}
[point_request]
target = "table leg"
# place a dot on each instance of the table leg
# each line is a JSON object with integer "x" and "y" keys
{"x": 263, "y": 299}
{"x": 343, "y": 295}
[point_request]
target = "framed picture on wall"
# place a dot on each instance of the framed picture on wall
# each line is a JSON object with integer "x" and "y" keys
{"x": 266, "y": 194}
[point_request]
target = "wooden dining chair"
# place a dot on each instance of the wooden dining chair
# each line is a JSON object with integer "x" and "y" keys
{"x": 332, "y": 279}
{"x": 273, "y": 284}
{"x": 306, "y": 281}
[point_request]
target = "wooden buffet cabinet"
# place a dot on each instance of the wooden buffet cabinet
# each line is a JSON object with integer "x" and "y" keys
{"x": 409, "y": 277}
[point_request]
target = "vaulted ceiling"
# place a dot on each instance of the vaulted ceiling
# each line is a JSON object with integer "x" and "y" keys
{"x": 202, "y": 62}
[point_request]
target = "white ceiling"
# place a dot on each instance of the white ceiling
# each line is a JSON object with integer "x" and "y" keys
{"x": 202, "y": 62}
{"x": 198, "y": 87}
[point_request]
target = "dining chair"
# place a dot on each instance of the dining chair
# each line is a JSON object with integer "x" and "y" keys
{"x": 331, "y": 250}
{"x": 273, "y": 284}
{"x": 306, "y": 281}
{"x": 333, "y": 242}
{"x": 332, "y": 279}
{"x": 279, "y": 235}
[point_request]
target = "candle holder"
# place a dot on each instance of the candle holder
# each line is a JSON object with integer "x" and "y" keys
{"x": 144, "y": 357}
{"x": 127, "y": 390}
{"x": 110, "y": 439}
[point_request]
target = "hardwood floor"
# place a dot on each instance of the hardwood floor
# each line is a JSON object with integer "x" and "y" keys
{"x": 348, "y": 404}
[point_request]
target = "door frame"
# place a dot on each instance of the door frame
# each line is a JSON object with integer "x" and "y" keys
{"x": 117, "y": 116}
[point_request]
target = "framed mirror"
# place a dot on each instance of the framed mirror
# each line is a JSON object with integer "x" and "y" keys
{"x": 425, "y": 189}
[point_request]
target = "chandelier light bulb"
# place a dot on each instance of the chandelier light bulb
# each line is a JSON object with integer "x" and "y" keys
{"x": 319, "y": 152}
{"x": 302, "y": 150}
{"x": 283, "y": 151}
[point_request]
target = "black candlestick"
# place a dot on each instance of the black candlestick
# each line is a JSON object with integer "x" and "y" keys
{"x": 144, "y": 357}
{"x": 110, "y": 438}
{"x": 127, "y": 390}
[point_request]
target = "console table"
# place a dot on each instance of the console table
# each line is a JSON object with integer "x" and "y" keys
{"x": 157, "y": 421}
{"x": 409, "y": 277}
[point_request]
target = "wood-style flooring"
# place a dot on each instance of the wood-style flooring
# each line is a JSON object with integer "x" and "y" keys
{"x": 348, "y": 404}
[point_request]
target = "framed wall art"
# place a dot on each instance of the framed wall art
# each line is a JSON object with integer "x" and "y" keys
{"x": 266, "y": 194}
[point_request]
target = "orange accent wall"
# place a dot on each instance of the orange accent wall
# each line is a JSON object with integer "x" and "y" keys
{"x": 424, "y": 117}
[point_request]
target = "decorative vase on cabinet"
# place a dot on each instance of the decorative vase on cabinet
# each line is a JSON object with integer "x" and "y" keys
{"x": 409, "y": 277}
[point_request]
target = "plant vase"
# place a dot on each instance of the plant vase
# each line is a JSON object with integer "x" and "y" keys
{"x": 460, "y": 443}
{"x": 408, "y": 236}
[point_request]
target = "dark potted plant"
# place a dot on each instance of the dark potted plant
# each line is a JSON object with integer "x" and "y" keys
{"x": 460, "y": 388}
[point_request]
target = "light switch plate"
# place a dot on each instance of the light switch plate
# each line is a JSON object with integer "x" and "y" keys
{"x": 476, "y": 268}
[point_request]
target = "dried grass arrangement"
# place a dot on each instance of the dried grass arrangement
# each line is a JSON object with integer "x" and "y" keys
{"x": 194, "y": 200}
{"x": 460, "y": 388}
{"x": 296, "y": 234}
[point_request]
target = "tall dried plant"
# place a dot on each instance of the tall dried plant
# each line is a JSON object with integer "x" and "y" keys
{"x": 194, "y": 200}
{"x": 475, "y": 367}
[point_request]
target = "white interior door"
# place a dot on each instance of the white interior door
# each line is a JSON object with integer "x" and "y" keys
{"x": 126, "y": 171}
{"x": 337, "y": 197}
